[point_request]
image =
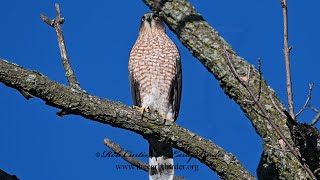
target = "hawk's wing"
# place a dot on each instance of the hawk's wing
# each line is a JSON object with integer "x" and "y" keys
{"x": 176, "y": 88}
{"x": 135, "y": 92}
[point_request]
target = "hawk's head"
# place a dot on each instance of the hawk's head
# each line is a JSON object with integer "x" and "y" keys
{"x": 151, "y": 22}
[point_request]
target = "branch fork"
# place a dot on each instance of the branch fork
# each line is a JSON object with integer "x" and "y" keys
{"x": 73, "y": 82}
{"x": 265, "y": 113}
{"x": 56, "y": 24}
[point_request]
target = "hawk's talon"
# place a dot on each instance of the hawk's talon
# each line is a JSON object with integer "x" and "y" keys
{"x": 141, "y": 109}
{"x": 167, "y": 121}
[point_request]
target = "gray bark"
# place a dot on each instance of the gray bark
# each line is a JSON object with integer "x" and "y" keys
{"x": 78, "y": 102}
{"x": 208, "y": 47}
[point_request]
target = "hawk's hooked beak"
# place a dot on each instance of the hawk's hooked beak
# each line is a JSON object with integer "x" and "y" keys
{"x": 149, "y": 19}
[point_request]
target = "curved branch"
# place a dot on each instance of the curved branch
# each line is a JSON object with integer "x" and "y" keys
{"x": 206, "y": 45}
{"x": 119, "y": 115}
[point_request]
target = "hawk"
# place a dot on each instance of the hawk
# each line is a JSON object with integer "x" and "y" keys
{"x": 155, "y": 81}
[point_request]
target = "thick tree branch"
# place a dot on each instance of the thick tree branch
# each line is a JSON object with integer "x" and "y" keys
{"x": 207, "y": 46}
{"x": 265, "y": 114}
{"x": 119, "y": 115}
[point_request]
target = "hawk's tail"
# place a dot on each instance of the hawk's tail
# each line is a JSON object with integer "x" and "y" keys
{"x": 160, "y": 161}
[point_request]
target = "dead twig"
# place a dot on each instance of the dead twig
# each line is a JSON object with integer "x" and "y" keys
{"x": 260, "y": 79}
{"x": 307, "y": 101}
{"x": 56, "y": 24}
{"x": 265, "y": 113}
{"x": 316, "y": 119}
{"x": 125, "y": 155}
{"x": 276, "y": 106}
{"x": 286, "y": 51}
{"x": 116, "y": 148}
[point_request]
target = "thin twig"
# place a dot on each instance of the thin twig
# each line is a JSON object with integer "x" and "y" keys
{"x": 314, "y": 109}
{"x": 265, "y": 113}
{"x": 47, "y": 20}
{"x": 307, "y": 101}
{"x": 116, "y": 148}
{"x": 276, "y": 106}
{"x": 260, "y": 79}
{"x": 316, "y": 119}
{"x": 286, "y": 51}
{"x": 56, "y": 23}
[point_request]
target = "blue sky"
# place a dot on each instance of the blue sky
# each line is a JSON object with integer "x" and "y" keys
{"x": 36, "y": 144}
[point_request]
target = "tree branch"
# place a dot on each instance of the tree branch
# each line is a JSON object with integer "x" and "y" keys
{"x": 70, "y": 73}
{"x": 260, "y": 79}
{"x": 119, "y": 115}
{"x": 265, "y": 114}
{"x": 56, "y": 24}
{"x": 116, "y": 148}
{"x": 206, "y": 45}
{"x": 316, "y": 119}
{"x": 307, "y": 101}
{"x": 286, "y": 51}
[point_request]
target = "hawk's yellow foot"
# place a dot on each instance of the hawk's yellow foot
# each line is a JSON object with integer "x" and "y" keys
{"x": 141, "y": 109}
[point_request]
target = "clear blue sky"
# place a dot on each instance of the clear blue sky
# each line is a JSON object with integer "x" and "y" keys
{"x": 36, "y": 144}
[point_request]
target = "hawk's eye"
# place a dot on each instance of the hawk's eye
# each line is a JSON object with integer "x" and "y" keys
{"x": 143, "y": 18}
{"x": 155, "y": 17}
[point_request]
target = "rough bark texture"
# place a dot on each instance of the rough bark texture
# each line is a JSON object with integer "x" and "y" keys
{"x": 207, "y": 46}
{"x": 119, "y": 115}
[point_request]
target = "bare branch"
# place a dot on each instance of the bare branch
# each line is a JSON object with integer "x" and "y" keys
{"x": 276, "y": 106}
{"x": 125, "y": 155}
{"x": 56, "y": 23}
{"x": 205, "y": 43}
{"x": 314, "y": 109}
{"x": 265, "y": 113}
{"x": 316, "y": 119}
{"x": 260, "y": 79}
{"x": 286, "y": 51}
{"x": 119, "y": 115}
{"x": 116, "y": 148}
{"x": 307, "y": 101}
{"x": 47, "y": 20}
